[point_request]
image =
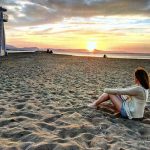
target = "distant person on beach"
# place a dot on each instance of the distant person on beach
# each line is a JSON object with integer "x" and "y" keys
{"x": 131, "y": 101}
{"x": 49, "y": 51}
{"x": 104, "y": 56}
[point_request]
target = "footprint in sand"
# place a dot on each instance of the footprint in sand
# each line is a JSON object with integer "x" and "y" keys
{"x": 52, "y": 118}
{"x": 46, "y": 126}
{"x": 2, "y": 110}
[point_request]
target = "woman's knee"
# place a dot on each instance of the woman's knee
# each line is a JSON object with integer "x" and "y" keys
{"x": 105, "y": 94}
{"x": 116, "y": 101}
{"x": 111, "y": 95}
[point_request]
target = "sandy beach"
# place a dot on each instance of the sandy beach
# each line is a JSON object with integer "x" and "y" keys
{"x": 43, "y": 104}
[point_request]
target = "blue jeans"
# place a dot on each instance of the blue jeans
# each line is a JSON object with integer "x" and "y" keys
{"x": 122, "y": 110}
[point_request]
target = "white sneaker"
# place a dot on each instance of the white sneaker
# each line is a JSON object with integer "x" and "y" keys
{"x": 92, "y": 105}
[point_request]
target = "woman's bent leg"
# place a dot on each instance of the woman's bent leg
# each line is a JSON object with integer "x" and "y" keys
{"x": 104, "y": 97}
{"x": 116, "y": 101}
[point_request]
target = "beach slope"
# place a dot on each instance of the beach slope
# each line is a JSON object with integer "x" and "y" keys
{"x": 43, "y": 104}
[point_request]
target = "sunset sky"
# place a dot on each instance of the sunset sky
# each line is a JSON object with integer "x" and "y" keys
{"x": 117, "y": 25}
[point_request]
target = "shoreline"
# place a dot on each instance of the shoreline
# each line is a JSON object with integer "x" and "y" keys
{"x": 64, "y": 54}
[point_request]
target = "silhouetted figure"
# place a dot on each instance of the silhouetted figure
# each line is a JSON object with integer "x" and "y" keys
{"x": 51, "y": 52}
{"x": 104, "y": 56}
{"x": 47, "y": 51}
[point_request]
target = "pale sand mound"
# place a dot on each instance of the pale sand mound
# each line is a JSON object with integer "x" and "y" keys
{"x": 43, "y": 104}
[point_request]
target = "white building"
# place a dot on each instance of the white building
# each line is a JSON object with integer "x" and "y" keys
{"x": 3, "y": 18}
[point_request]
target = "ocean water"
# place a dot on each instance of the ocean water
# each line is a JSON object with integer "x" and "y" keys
{"x": 110, "y": 55}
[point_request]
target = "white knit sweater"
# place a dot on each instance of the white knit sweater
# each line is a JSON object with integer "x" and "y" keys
{"x": 135, "y": 105}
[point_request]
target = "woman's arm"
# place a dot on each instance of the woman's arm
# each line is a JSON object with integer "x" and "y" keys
{"x": 132, "y": 91}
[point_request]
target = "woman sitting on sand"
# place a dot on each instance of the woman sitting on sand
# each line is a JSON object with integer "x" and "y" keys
{"x": 130, "y": 102}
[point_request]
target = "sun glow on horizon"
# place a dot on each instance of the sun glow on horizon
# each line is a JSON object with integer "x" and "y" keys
{"x": 67, "y": 35}
{"x": 91, "y": 46}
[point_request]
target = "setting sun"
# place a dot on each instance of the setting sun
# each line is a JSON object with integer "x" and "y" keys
{"x": 91, "y": 46}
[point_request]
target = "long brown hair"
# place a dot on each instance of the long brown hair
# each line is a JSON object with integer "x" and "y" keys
{"x": 142, "y": 77}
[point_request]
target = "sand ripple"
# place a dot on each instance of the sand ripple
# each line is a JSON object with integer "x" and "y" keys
{"x": 43, "y": 104}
